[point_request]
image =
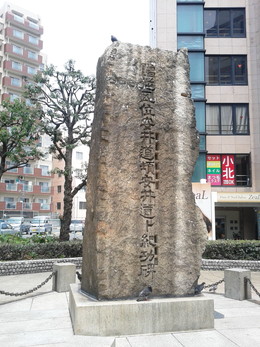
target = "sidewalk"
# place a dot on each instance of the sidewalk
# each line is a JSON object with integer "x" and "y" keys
{"x": 42, "y": 319}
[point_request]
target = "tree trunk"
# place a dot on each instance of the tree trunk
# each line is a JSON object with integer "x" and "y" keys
{"x": 67, "y": 200}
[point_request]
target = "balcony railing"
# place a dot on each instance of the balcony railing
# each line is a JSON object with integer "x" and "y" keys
{"x": 28, "y": 170}
{"x": 45, "y": 189}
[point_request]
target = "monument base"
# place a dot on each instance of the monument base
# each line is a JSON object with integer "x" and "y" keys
{"x": 129, "y": 317}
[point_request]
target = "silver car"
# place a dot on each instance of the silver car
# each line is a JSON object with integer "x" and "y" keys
{"x": 6, "y": 228}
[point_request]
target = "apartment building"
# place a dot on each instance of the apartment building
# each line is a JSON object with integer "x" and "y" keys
{"x": 24, "y": 191}
{"x": 223, "y": 41}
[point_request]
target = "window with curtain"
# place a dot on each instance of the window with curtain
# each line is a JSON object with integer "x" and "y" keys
{"x": 225, "y": 22}
{"x": 226, "y": 69}
{"x": 227, "y": 119}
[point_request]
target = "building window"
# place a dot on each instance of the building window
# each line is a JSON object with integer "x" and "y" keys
{"x": 18, "y": 33}
{"x": 225, "y": 22}
{"x": 58, "y": 205}
{"x": 17, "y": 50}
{"x": 228, "y": 169}
{"x": 18, "y": 18}
{"x": 82, "y": 205}
{"x": 227, "y": 119}
{"x": 226, "y": 70}
{"x": 16, "y": 82}
{"x": 14, "y": 97}
{"x": 190, "y": 41}
{"x": 190, "y": 19}
{"x": 34, "y": 40}
{"x": 17, "y": 66}
{"x": 196, "y": 60}
{"x": 59, "y": 189}
{"x": 31, "y": 70}
{"x": 33, "y": 25}
{"x": 32, "y": 55}
{"x": 79, "y": 155}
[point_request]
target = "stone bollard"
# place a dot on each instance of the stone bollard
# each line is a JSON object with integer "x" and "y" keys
{"x": 235, "y": 285}
{"x": 65, "y": 275}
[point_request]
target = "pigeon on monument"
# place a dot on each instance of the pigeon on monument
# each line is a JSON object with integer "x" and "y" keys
{"x": 79, "y": 276}
{"x": 199, "y": 288}
{"x": 113, "y": 38}
{"x": 145, "y": 293}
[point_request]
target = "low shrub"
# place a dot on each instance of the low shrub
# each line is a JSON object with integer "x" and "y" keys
{"x": 40, "y": 250}
{"x": 233, "y": 250}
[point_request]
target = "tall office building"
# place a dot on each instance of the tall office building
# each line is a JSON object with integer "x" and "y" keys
{"x": 25, "y": 191}
{"x": 223, "y": 41}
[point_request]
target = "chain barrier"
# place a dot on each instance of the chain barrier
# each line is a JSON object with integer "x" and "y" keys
{"x": 30, "y": 290}
{"x": 214, "y": 285}
{"x": 252, "y": 286}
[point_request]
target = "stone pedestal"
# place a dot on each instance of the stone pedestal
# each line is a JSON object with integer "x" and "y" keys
{"x": 129, "y": 317}
{"x": 235, "y": 285}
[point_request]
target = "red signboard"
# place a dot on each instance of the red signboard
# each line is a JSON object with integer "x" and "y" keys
{"x": 228, "y": 170}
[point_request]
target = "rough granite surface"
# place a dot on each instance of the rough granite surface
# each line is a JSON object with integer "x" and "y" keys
{"x": 142, "y": 225}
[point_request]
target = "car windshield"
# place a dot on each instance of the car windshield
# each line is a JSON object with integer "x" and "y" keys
{"x": 14, "y": 220}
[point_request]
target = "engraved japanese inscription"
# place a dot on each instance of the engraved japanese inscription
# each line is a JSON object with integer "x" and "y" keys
{"x": 142, "y": 225}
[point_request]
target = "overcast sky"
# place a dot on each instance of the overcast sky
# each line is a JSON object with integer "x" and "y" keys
{"x": 81, "y": 29}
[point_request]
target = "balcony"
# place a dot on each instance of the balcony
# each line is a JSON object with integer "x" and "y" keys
{"x": 24, "y": 39}
{"x": 17, "y": 189}
{"x": 25, "y": 24}
{"x": 20, "y": 53}
{"x": 19, "y": 69}
{"x": 24, "y": 206}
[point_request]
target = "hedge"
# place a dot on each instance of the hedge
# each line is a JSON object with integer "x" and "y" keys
{"x": 56, "y": 249}
{"x": 233, "y": 250}
{"x": 226, "y": 249}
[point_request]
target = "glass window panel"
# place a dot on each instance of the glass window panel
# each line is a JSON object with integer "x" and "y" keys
{"x": 212, "y": 119}
{"x": 241, "y": 119}
{"x": 211, "y": 70}
{"x": 242, "y": 165}
{"x": 202, "y": 142}
{"x": 200, "y": 116}
{"x": 240, "y": 70}
{"x": 17, "y": 50}
{"x": 210, "y": 23}
{"x": 190, "y": 19}
{"x": 18, "y": 33}
{"x": 226, "y": 120}
{"x": 16, "y": 65}
{"x": 224, "y": 23}
{"x": 225, "y": 70}
{"x": 196, "y": 66}
{"x": 190, "y": 42}
{"x": 16, "y": 82}
{"x": 32, "y": 55}
{"x": 238, "y": 22}
{"x": 200, "y": 168}
{"x": 197, "y": 91}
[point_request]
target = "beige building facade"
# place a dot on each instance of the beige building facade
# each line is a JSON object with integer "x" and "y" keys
{"x": 223, "y": 41}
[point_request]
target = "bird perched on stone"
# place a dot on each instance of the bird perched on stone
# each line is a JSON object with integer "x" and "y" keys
{"x": 213, "y": 288}
{"x": 145, "y": 293}
{"x": 79, "y": 276}
{"x": 199, "y": 288}
{"x": 113, "y": 38}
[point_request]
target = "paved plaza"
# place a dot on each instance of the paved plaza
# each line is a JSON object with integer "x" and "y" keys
{"x": 42, "y": 319}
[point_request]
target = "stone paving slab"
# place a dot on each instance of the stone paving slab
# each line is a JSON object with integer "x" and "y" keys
{"x": 41, "y": 319}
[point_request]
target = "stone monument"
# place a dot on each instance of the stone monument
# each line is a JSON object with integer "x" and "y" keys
{"x": 142, "y": 225}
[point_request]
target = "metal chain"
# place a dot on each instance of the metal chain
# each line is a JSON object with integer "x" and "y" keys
{"x": 252, "y": 286}
{"x": 30, "y": 290}
{"x": 214, "y": 284}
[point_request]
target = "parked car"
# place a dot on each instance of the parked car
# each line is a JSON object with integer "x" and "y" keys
{"x": 40, "y": 225}
{"x": 77, "y": 225}
{"x": 6, "y": 228}
{"x": 19, "y": 224}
